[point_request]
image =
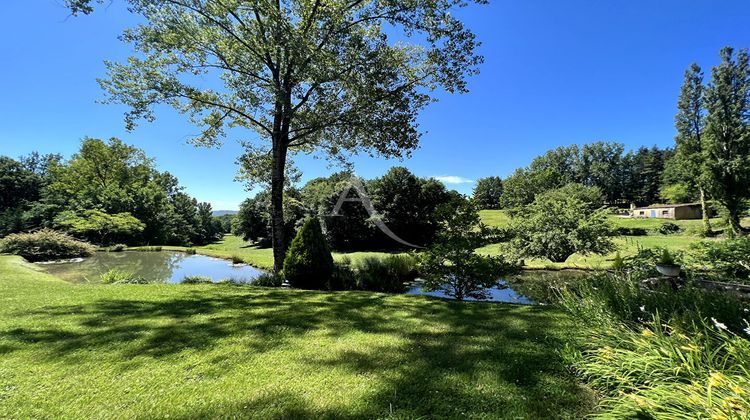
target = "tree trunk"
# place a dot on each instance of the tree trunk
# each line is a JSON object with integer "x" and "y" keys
{"x": 704, "y": 210}
{"x": 278, "y": 241}
{"x": 734, "y": 222}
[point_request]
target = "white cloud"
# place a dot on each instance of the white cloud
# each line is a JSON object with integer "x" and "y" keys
{"x": 452, "y": 179}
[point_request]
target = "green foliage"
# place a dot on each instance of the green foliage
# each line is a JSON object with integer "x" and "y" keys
{"x": 45, "y": 245}
{"x": 268, "y": 280}
{"x": 488, "y": 192}
{"x": 407, "y": 205}
{"x": 388, "y": 275}
{"x": 451, "y": 265}
{"x": 197, "y": 280}
{"x": 630, "y": 231}
{"x": 621, "y": 177}
{"x": 107, "y": 181}
{"x": 118, "y": 248}
{"x": 99, "y": 227}
{"x": 344, "y": 277}
{"x": 669, "y": 228}
{"x": 660, "y": 353}
{"x": 562, "y": 222}
{"x": 191, "y": 251}
{"x": 728, "y": 260}
{"x": 308, "y": 263}
{"x": 115, "y": 276}
{"x": 726, "y": 142}
{"x": 677, "y": 193}
{"x": 236, "y": 259}
{"x": 666, "y": 258}
{"x": 253, "y": 221}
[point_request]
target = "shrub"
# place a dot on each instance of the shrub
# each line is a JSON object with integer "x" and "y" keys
{"x": 197, "y": 280}
{"x": 669, "y": 228}
{"x": 344, "y": 277}
{"x": 388, "y": 275}
{"x": 236, "y": 259}
{"x": 630, "y": 231}
{"x": 729, "y": 260}
{"x": 117, "y": 248}
{"x": 308, "y": 263}
{"x": 190, "y": 251}
{"x": 115, "y": 276}
{"x": 268, "y": 280}
{"x": 45, "y": 245}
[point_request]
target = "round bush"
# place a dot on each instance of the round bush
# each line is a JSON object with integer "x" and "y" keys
{"x": 308, "y": 263}
{"x": 45, "y": 245}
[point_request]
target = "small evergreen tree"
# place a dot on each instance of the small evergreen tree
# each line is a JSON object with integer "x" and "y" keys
{"x": 308, "y": 263}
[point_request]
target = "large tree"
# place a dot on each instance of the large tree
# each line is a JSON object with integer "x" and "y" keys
{"x": 342, "y": 76}
{"x": 690, "y": 123}
{"x": 487, "y": 192}
{"x": 727, "y": 134}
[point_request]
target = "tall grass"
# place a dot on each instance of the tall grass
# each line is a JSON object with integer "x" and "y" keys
{"x": 389, "y": 274}
{"x": 660, "y": 353}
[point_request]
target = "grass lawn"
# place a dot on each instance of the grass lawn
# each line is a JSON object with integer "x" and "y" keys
{"x": 232, "y": 245}
{"x": 194, "y": 351}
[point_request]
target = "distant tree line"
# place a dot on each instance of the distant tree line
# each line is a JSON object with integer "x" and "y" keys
{"x": 404, "y": 202}
{"x": 109, "y": 192}
{"x": 623, "y": 177}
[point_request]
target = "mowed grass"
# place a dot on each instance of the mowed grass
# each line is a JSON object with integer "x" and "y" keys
{"x": 626, "y": 245}
{"x": 207, "y": 351}
{"x": 234, "y": 246}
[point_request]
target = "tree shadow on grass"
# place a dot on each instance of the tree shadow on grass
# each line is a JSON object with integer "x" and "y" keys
{"x": 445, "y": 359}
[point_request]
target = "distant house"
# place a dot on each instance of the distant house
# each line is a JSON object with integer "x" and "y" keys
{"x": 669, "y": 211}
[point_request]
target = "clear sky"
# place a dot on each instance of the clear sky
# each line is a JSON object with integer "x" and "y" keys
{"x": 556, "y": 73}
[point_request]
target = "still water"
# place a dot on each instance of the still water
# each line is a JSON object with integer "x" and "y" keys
{"x": 169, "y": 267}
{"x": 503, "y": 292}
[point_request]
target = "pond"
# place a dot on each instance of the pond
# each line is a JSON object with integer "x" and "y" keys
{"x": 164, "y": 266}
{"x": 530, "y": 287}
{"x": 503, "y": 292}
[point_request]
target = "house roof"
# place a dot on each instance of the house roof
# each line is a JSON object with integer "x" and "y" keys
{"x": 668, "y": 206}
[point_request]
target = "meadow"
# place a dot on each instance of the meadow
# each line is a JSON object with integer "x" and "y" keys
{"x": 626, "y": 245}
{"x": 161, "y": 350}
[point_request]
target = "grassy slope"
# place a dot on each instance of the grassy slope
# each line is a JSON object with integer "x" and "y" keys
{"x": 145, "y": 351}
{"x": 258, "y": 257}
{"x": 627, "y": 245}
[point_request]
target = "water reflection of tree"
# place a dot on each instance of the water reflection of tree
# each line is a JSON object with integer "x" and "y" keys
{"x": 152, "y": 266}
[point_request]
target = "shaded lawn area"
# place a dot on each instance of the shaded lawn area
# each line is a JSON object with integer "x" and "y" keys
{"x": 258, "y": 257}
{"x": 145, "y": 351}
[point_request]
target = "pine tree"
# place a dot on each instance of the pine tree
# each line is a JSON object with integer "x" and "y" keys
{"x": 690, "y": 124}
{"x": 727, "y": 135}
{"x": 308, "y": 263}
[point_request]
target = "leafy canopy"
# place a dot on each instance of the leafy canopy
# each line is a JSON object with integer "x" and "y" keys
{"x": 562, "y": 222}
{"x": 451, "y": 265}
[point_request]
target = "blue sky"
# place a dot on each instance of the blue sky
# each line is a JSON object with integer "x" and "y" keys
{"x": 556, "y": 73}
